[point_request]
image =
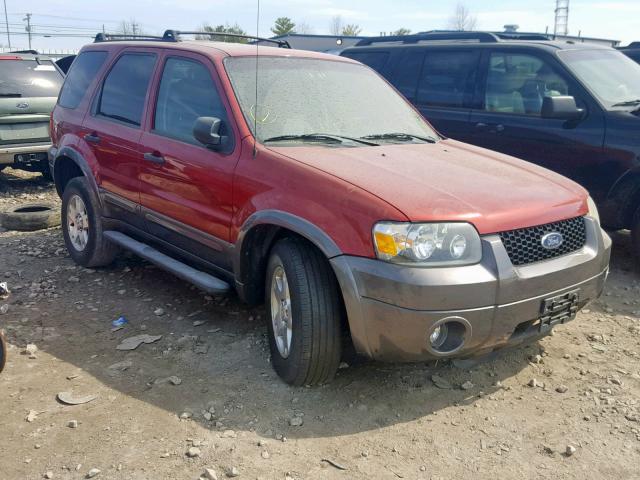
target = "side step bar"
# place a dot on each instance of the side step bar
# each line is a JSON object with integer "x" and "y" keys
{"x": 202, "y": 280}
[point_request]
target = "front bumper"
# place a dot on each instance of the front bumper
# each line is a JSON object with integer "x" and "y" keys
{"x": 8, "y": 152}
{"x": 392, "y": 309}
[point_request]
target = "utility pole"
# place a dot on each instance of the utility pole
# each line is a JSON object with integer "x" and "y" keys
{"x": 28, "y": 28}
{"x": 134, "y": 27}
{"x": 6, "y": 21}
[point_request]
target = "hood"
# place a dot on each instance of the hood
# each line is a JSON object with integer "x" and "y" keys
{"x": 452, "y": 181}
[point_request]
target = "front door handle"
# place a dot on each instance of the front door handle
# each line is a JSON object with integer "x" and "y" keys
{"x": 493, "y": 127}
{"x": 154, "y": 157}
{"x": 92, "y": 137}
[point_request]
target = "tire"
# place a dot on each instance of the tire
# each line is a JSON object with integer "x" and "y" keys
{"x": 30, "y": 217}
{"x": 3, "y": 352}
{"x": 315, "y": 314}
{"x": 80, "y": 208}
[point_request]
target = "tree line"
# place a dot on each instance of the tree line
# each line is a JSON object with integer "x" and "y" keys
{"x": 461, "y": 19}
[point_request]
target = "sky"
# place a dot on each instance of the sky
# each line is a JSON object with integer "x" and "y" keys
{"x": 618, "y": 20}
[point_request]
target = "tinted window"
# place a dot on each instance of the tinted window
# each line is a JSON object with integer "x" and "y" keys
{"x": 447, "y": 78}
{"x": 81, "y": 74}
{"x": 28, "y": 78}
{"x": 375, "y": 60}
{"x": 125, "y": 88}
{"x": 405, "y": 78}
{"x": 186, "y": 92}
{"x": 518, "y": 83}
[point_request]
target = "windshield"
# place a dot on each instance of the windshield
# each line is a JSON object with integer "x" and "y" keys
{"x": 610, "y": 75}
{"x": 318, "y": 99}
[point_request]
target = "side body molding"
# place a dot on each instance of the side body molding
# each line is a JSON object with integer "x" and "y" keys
{"x": 243, "y": 262}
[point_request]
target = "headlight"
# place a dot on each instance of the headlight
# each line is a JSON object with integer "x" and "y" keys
{"x": 427, "y": 244}
{"x": 593, "y": 210}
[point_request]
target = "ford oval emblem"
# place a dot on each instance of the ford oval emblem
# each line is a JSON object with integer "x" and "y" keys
{"x": 552, "y": 240}
{"x": 22, "y": 105}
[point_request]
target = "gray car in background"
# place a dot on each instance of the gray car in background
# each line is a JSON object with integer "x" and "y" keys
{"x": 29, "y": 86}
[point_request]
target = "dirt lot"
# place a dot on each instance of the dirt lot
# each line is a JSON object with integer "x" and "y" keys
{"x": 374, "y": 421}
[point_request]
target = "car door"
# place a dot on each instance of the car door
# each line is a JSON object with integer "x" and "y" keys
{"x": 508, "y": 118}
{"x": 113, "y": 129}
{"x": 440, "y": 83}
{"x": 186, "y": 188}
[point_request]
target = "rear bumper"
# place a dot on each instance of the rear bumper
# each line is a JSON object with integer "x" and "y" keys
{"x": 8, "y": 152}
{"x": 393, "y": 309}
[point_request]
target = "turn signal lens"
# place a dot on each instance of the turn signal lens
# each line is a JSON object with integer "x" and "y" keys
{"x": 427, "y": 244}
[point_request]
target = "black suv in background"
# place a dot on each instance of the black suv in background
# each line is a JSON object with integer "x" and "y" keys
{"x": 29, "y": 87}
{"x": 571, "y": 107}
{"x": 632, "y": 51}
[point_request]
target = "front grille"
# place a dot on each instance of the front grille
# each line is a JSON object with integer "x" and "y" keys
{"x": 525, "y": 244}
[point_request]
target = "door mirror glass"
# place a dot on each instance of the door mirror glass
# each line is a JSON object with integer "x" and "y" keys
{"x": 206, "y": 130}
{"x": 561, "y": 107}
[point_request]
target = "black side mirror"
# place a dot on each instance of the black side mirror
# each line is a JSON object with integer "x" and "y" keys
{"x": 206, "y": 130}
{"x": 561, "y": 108}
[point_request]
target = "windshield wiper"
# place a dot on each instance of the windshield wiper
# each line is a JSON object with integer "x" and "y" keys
{"x": 398, "y": 136}
{"x": 628, "y": 103}
{"x": 321, "y": 137}
{"x": 10, "y": 95}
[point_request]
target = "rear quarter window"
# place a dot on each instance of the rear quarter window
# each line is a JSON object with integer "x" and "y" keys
{"x": 375, "y": 60}
{"x": 81, "y": 74}
{"x": 29, "y": 78}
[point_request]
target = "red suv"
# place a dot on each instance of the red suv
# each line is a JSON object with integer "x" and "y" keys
{"x": 307, "y": 182}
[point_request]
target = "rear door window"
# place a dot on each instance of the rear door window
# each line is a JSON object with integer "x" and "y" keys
{"x": 448, "y": 77}
{"x": 186, "y": 92}
{"x": 125, "y": 88}
{"x": 29, "y": 78}
{"x": 81, "y": 74}
{"x": 518, "y": 82}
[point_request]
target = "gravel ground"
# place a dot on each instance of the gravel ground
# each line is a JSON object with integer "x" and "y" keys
{"x": 204, "y": 395}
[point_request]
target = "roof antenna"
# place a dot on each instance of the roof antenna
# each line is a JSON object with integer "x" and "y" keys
{"x": 255, "y": 113}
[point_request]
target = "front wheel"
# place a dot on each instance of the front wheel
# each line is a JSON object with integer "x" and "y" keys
{"x": 635, "y": 236}
{"x": 305, "y": 314}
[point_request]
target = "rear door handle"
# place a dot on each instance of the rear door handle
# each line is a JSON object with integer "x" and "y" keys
{"x": 92, "y": 138}
{"x": 154, "y": 157}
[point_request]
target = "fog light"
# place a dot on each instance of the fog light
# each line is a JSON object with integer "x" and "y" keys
{"x": 439, "y": 335}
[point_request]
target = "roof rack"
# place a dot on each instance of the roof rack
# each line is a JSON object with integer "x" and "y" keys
{"x": 435, "y": 35}
{"x": 117, "y": 37}
{"x": 521, "y": 36}
{"x": 174, "y": 36}
{"x": 482, "y": 37}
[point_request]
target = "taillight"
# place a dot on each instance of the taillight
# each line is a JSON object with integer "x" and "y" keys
{"x": 9, "y": 57}
{"x": 51, "y": 126}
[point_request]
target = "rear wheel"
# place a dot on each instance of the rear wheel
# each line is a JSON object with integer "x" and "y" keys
{"x": 82, "y": 226}
{"x": 305, "y": 314}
